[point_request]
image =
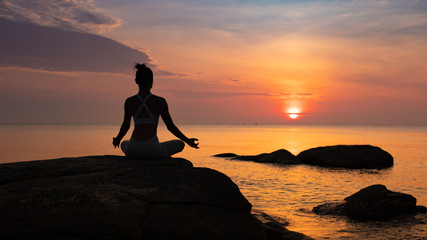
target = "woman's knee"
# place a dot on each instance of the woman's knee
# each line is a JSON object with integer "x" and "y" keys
{"x": 124, "y": 145}
{"x": 172, "y": 147}
{"x": 181, "y": 145}
{"x": 178, "y": 146}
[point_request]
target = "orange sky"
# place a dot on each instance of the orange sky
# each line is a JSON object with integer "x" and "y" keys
{"x": 222, "y": 62}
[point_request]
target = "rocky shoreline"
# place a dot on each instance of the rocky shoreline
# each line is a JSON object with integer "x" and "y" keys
{"x": 113, "y": 197}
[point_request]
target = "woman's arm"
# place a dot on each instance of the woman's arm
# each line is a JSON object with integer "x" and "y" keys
{"x": 167, "y": 119}
{"x": 125, "y": 126}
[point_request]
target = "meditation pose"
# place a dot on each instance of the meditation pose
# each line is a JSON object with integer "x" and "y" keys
{"x": 145, "y": 108}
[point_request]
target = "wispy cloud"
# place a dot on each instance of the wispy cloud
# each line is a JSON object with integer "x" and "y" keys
{"x": 365, "y": 19}
{"x": 259, "y": 20}
{"x": 212, "y": 94}
{"x": 219, "y": 94}
{"x": 296, "y": 95}
{"x": 76, "y": 15}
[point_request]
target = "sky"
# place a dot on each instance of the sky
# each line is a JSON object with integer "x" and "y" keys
{"x": 216, "y": 62}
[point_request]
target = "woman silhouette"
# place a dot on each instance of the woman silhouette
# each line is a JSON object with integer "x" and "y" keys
{"x": 145, "y": 108}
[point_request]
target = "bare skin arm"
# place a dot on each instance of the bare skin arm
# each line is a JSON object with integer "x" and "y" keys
{"x": 125, "y": 126}
{"x": 167, "y": 119}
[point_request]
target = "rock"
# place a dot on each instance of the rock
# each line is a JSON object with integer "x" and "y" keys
{"x": 253, "y": 158}
{"x": 280, "y": 156}
{"x": 347, "y": 156}
{"x": 376, "y": 202}
{"x": 420, "y": 209}
{"x": 112, "y": 197}
{"x": 226, "y": 155}
{"x": 332, "y": 208}
{"x": 275, "y": 228}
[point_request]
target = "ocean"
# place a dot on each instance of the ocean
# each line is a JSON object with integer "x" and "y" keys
{"x": 285, "y": 192}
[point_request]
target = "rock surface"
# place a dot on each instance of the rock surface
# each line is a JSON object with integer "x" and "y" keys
{"x": 331, "y": 208}
{"x": 274, "y": 228}
{"x": 375, "y": 202}
{"x": 280, "y": 156}
{"x": 112, "y": 197}
{"x": 347, "y": 156}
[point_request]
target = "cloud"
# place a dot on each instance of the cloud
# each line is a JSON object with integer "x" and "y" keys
{"x": 254, "y": 20}
{"x": 72, "y": 15}
{"x": 32, "y": 46}
{"x": 365, "y": 19}
{"x": 297, "y": 94}
{"x": 212, "y": 94}
{"x": 219, "y": 94}
{"x": 164, "y": 73}
{"x": 411, "y": 30}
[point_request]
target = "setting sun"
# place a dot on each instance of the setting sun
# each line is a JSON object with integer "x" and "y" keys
{"x": 293, "y": 116}
{"x": 293, "y": 112}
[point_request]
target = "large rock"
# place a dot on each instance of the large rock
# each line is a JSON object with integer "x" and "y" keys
{"x": 375, "y": 202}
{"x": 280, "y": 156}
{"x": 112, "y": 197}
{"x": 347, "y": 156}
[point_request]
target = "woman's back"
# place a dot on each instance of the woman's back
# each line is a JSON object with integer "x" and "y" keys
{"x": 146, "y": 121}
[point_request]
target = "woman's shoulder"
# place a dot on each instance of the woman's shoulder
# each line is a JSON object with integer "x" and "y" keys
{"x": 158, "y": 98}
{"x": 131, "y": 99}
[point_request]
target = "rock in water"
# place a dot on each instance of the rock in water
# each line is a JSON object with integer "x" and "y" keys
{"x": 376, "y": 202}
{"x": 281, "y": 156}
{"x": 421, "y": 209}
{"x": 112, "y": 197}
{"x": 226, "y": 155}
{"x": 347, "y": 156}
{"x": 373, "y": 203}
{"x": 331, "y": 208}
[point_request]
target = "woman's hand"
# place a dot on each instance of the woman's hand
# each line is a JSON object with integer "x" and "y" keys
{"x": 192, "y": 142}
{"x": 116, "y": 142}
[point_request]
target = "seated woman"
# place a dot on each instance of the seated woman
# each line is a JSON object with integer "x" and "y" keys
{"x": 145, "y": 108}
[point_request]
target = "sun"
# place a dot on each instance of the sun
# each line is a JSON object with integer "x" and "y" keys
{"x": 293, "y": 115}
{"x": 293, "y": 112}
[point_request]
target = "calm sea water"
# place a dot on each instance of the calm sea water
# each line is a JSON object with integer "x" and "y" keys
{"x": 287, "y": 192}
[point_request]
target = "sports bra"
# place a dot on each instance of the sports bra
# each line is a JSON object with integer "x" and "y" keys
{"x": 151, "y": 119}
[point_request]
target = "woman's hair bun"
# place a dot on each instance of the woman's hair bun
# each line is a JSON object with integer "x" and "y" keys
{"x": 139, "y": 66}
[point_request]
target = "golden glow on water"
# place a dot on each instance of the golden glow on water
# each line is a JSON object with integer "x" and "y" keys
{"x": 288, "y": 192}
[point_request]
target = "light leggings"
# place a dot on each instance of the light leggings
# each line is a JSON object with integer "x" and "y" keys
{"x": 151, "y": 148}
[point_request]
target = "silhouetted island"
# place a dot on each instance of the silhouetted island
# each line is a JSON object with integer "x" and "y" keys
{"x": 114, "y": 197}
